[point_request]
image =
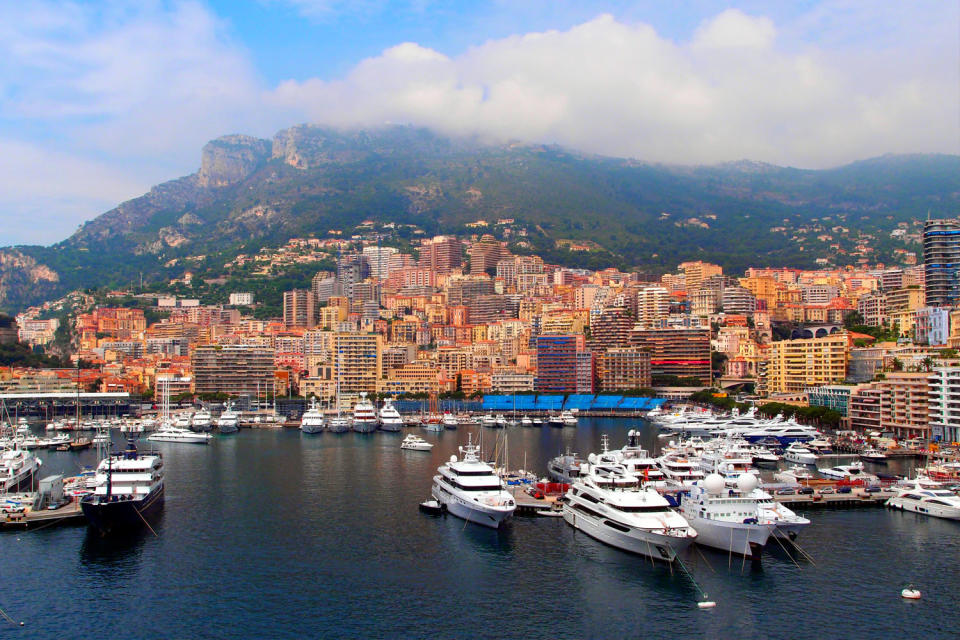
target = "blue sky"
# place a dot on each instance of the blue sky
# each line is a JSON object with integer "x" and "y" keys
{"x": 101, "y": 100}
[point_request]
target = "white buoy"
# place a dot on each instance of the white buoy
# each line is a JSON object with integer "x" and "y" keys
{"x": 706, "y": 604}
{"x": 910, "y": 593}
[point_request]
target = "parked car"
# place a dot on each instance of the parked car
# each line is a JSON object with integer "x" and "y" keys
{"x": 786, "y": 492}
{"x": 872, "y": 489}
{"x": 805, "y": 491}
{"x": 826, "y": 490}
{"x": 844, "y": 490}
{"x": 536, "y": 493}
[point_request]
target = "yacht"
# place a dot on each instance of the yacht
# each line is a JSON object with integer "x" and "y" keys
{"x": 338, "y": 424}
{"x": 928, "y": 497}
{"x": 637, "y": 460}
{"x": 763, "y": 457}
{"x": 555, "y": 420}
{"x": 680, "y": 470}
{"x": 390, "y": 419}
{"x": 183, "y": 420}
{"x": 17, "y": 469}
{"x": 526, "y": 421}
{"x": 312, "y": 420}
{"x": 799, "y": 454}
{"x": 608, "y": 504}
{"x": 415, "y": 443}
{"x": 488, "y": 421}
{"x": 565, "y": 468}
{"x": 569, "y": 418}
{"x": 852, "y": 471}
{"x": 727, "y": 463}
{"x": 501, "y": 421}
{"x": 128, "y": 491}
{"x": 538, "y": 422}
{"x": 364, "y": 415}
{"x": 795, "y": 474}
{"x": 785, "y": 433}
{"x": 202, "y": 421}
{"x": 788, "y": 524}
{"x": 471, "y": 489}
{"x": 727, "y": 519}
{"x": 227, "y": 422}
{"x": 449, "y": 420}
{"x": 171, "y": 433}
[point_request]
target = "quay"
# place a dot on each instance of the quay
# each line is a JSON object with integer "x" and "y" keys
{"x": 856, "y": 498}
{"x": 69, "y": 513}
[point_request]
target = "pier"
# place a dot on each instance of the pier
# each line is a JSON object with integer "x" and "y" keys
{"x": 69, "y": 513}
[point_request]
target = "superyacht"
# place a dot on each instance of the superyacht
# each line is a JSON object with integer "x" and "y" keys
{"x": 312, "y": 419}
{"x": 470, "y": 489}
{"x": 364, "y": 415}
{"x": 390, "y": 419}
{"x": 128, "y": 491}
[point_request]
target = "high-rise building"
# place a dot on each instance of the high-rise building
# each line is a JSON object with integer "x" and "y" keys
{"x": 796, "y": 365}
{"x": 232, "y": 369}
{"x": 586, "y": 372}
{"x": 944, "y": 401}
{"x": 442, "y": 254}
{"x": 299, "y": 308}
{"x": 738, "y": 300}
{"x": 357, "y": 361}
{"x": 485, "y": 254}
{"x": 684, "y": 353}
{"x": 627, "y": 368}
{"x": 557, "y": 363}
{"x": 378, "y": 260}
{"x": 696, "y": 272}
{"x": 653, "y": 307}
{"x": 941, "y": 262}
{"x": 610, "y": 329}
{"x": 461, "y": 291}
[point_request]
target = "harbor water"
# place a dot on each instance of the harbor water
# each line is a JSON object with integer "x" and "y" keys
{"x": 275, "y": 534}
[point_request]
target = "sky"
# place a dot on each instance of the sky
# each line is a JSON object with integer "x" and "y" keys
{"x": 99, "y": 101}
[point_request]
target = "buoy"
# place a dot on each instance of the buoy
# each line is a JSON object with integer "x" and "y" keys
{"x": 910, "y": 593}
{"x": 706, "y": 604}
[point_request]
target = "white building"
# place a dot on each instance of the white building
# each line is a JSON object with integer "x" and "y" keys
{"x": 944, "y": 400}
{"x": 241, "y": 299}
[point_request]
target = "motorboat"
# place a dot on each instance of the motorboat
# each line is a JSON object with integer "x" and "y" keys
{"x": 852, "y": 471}
{"x": 608, "y": 503}
{"x": 364, "y": 415}
{"x": 538, "y": 422}
{"x": 555, "y": 420}
{"x": 171, "y": 433}
{"x": 680, "y": 470}
{"x": 874, "y": 455}
{"x": 728, "y": 463}
{"x": 202, "y": 421}
{"x": 501, "y": 420}
{"x": 928, "y": 497}
{"x": 727, "y": 519}
{"x": 785, "y": 433}
{"x": 565, "y": 468}
{"x": 526, "y": 421}
{"x": 228, "y": 422}
{"x": 312, "y": 419}
{"x": 569, "y": 418}
{"x": 488, "y": 421}
{"x": 820, "y": 445}
{"x": 390, "y": 419}
{"x": 637, "y": 460}
{"x": 788, "y": 524}
{"x": 17, "y": 469}
{"x": 799, "y": 454}
{"x": 449, "y": 420}
{"x": 795, "y": 474}
{"x": 471, "y": 489}
{"x": 763, "y": 457}
{"x": 183, "y": 420}
{"x": 415, "y": 443}
{"x": 128, "y": 491}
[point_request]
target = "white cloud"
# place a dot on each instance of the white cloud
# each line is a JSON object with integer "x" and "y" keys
{"x": 615, "y": 88}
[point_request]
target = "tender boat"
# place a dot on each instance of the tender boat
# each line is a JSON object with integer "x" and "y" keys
{"x": 928, "y": 497}
{"x": 415, "y": 443}
{"x": 471, "y": 489}
{"x": 726, "y": 519}
{"x": 609, "y": 504}
{"x": 312, "y": 420}
{"x": 170, "y": 433}
{"x": 128, "y": 491}
{"x": 364, "y": 415}
{"x": 799, "y": 454}
{"x": 390, "y": 419}
{"x": 874, "y": 455}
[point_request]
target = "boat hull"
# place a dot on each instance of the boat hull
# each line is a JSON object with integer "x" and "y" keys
{"x": 230, "y": 428}
{"x": 732, "y": 537}
{"x": 926, "y": 509}
{"x": 363, "y": 426}
{"x": 124, "y": 515}
{"x": 311, "y": 429}
{"x": 487, "y": 516}
{"x": 639, "y": 541}
{"x": 392, "y": 427}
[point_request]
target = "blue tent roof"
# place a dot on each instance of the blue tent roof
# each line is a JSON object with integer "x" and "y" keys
{"x": 578, "y": 401}
{"x": 549, "y": 403}
{"x": 526, "y": 403}
{"x": 606, "y": 402}
{"x": 498, "y": 403}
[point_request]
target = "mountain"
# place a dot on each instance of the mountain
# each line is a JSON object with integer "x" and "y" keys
{"x": 251, "y": 193}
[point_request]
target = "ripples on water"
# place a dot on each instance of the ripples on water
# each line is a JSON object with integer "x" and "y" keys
{"x": 277, "y": 535}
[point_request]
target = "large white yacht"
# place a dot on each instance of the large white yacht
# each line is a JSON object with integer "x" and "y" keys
{"x": 415, "y": 443}
{"x": 17, "y": 469}
{"x": 852, "y": 471}
{"x": 728, "y": 519}
{"x": 471, "y": 489}
{"x": 312, "y": 419}
{"x": 128, "y": 490}
{"x": 227, "y": 422}
{"x": 183, "y": 420}
{"x": 609, "y": 504}
{"x": 799, "y": 454}
{"x": 680, "y": 470}
{"x": 202, "y": 421}
{"x": 565, "y": 468}
{"x": 170, "y": 433}
{"x": 364, "y": 415}
{"x": 928, "y": 497}
{"x": 637, "y": 460}
{"x": 390, "y": 419}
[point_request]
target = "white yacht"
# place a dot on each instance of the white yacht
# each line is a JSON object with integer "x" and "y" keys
{"x": 202, "y": 421}
{"x": 799, "y": 454}
{"x": 390, "y": 419}
{"x": 183, "y": 420}
{"x": 928, "y": 497}
{"x": 795, "y": 474}
{"x": 228, "y": 420}
{"x": 525, "y": 421}
{"x": 788, "y": 524}
{"x": 449, "y": 420}
{"x": 785, "y": 433}
{"x": 680, "y": 470}
{"x": 364, "y": 415}
{"x": 415, "y": 443}
{"x": 17, "y": 469}
{"x": 729, "y": 463}
{"x": 171, "y": 433}
{"x": 608, "y": 504}
{"x": 488, "y": 421}
{"x": 852, "y": 471}
{"x": 312, "y": 419}
{"x": 764, "y": 457}
{"x": 876, "y": 456}
{"x": 565, "y": 468}
{"x": 555, "y": 420}
{"x": 471, "y": 489}
{"x": 637, "y": 460}
{"x": 727, "y": 519}
{"x": 569, "y": 418}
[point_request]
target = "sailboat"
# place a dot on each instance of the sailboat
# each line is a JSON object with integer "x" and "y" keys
{"x": 81, "y": 442}
{"x": 433, "y": 420}
{"x": 338, "y": 424}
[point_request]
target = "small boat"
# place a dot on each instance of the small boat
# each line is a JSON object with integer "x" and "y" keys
{"x": 526, "y": 421}
{"x": 874, "y": 455}
{"x": 852, "y": 471}
{"x": 569, "y": 418}
{"x": 415, "y": 443}
{"x": 799, "y": 454}
{"x": 555, "y": 420}
{"x": 449, "y": 420}
{"x": 538, "y": 422}
{"x": 432, "y": 507}
{"x": 488, "y": 421}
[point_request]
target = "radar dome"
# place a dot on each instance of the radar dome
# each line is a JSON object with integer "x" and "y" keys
{"x": 713, "y": 483}
{"x": 631, "y": 432}
{"x": 592, "y": 458}
{"x": 453, "y": 458}
{"x": 747, "y": 482}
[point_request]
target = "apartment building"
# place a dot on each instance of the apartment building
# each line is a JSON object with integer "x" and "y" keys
{"x": 796, "y": 365}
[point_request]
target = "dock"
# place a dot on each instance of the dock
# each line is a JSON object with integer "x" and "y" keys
{"x": 527, "y": 505}
{"x": 856, "y": 498}
{"x": 69, "y": 513}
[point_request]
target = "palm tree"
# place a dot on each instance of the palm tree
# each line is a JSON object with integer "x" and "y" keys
{"x": 926, "y": 364}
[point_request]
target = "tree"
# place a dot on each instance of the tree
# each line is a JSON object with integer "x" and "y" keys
{"x": 897, "y": 364}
